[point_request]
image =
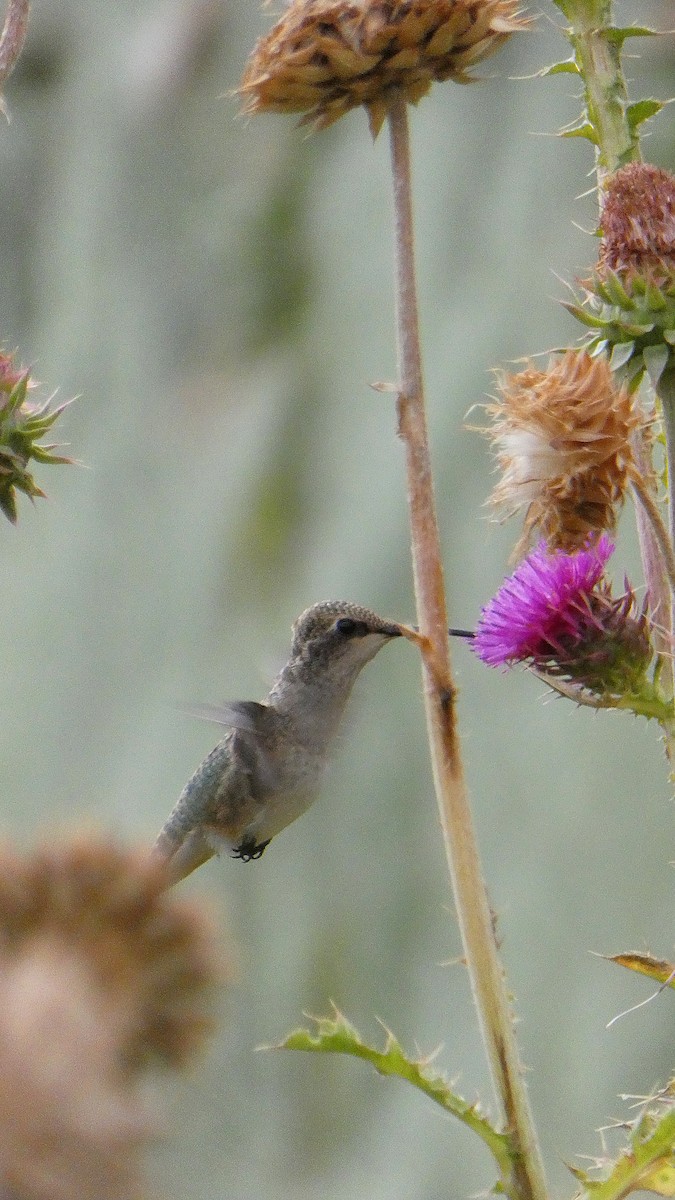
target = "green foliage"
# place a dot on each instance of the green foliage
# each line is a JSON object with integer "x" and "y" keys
{"x": 641, "y": 111}
{"x": 645, "y": 1164}
{"x": 582, "y": 128}
{"x": 335, "y": 1035}
{"x": 632, "y": 320}
{"x": 608, "y": 121}
{"x": 22, "y": 425}
{"x": 566, "y": 66}
{"x": 618, "y": 34}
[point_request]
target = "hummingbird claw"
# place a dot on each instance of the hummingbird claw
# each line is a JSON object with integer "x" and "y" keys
{"x": 250, "y": 850}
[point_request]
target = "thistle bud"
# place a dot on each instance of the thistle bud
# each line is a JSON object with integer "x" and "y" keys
{"x": 22, "y": 426}
{"x": 630, "y": 303}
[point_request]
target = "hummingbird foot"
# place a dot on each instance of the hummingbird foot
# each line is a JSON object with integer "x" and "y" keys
{"x": 249, "y": 849}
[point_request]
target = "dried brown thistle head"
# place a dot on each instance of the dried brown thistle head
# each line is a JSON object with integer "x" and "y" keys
{"x": 563, "y": 443}
{"x": 101, "y": 973}
{"x": 638, "y": 223}
{"x": 324, "y": 57}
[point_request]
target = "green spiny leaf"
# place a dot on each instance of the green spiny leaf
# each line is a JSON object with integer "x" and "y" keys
{"x": 8, "y": 504}
{"x": 618, "y": 34}
{"x": 11, "y": 460}
{"x": 636, "y": 330}
{"x": 44, "y": 454}
{"x": 601, "y": 290}
{"x": 19, "y": 391}
{"x": 656, "y": 360}
{"x": 622, "y": 352}
{"x": 660, "y": 1178}
{"x": 648, "y": 1155}
{"x": 583, "y": 1178}
{"x": 583, "y": 315}
{"x": 655, "y": 298}
{"x": 616, "y": 291}
{"x": 639, "y": 285}
{"x": 567, "y": 66}
{"x": 582, "y": 128}
{"x": 634, "y": 375}
{"x": 641, "y": 111}
{"x": 335, "y": 1035}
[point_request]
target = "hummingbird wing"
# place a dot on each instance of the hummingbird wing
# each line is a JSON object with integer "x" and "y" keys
{"x": 225, "y": 795}
{"x": 247, "y": 715}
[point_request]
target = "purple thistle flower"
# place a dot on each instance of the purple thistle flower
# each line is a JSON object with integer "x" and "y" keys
{"x": 544, "y": 608}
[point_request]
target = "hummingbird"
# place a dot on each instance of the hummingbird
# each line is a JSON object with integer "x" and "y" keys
{"x": 267, "y": 770}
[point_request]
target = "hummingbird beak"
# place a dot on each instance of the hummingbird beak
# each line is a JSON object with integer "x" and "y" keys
{"x": 412, "y": 633}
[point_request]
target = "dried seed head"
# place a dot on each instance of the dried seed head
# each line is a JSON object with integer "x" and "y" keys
{"x": 70, "y": 1128}
{"x": 562, "y": 438}
{"x": 324, "y": 57}
{"x": 101, "y": 971}
{"x": 638, "y": 223}
{"x": 150, "y": 956}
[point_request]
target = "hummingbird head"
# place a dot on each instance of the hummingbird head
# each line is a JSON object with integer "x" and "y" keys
{"x": 332, "y": 641}
{"x": 337, "y": 631}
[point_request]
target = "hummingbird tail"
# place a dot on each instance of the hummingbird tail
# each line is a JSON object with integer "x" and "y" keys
{"x": 184, "y": 859}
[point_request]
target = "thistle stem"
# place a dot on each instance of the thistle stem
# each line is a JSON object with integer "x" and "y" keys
{"x": 471, "y": 900}
{"x": 666, "y": 394}
{"x": 665, "y": 391}
{"x": 661, "y": 535}
{"x": 656, "y": 578}
{"x": 597, "y": 54}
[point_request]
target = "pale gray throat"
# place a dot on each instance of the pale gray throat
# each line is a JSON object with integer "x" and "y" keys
{"x": 312, "y": 695}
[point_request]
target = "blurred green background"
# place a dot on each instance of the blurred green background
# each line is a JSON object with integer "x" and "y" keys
{"x": 218, "y": 294}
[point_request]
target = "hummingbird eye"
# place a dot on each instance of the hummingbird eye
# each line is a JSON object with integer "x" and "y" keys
{"x": 348, "y": 627}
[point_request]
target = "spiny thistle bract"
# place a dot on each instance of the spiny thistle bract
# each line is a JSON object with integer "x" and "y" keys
{"x": 22, "y": 426}
{"x": 325, "y": 57}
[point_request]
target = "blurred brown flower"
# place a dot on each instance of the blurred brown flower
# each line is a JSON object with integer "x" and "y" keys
{"x": 101, "y": 973}
{"x": 563, "y": 443}
{"x": 324, "y": 57}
